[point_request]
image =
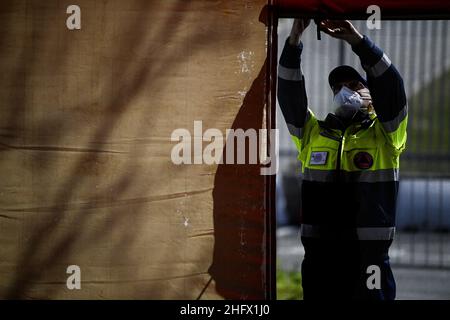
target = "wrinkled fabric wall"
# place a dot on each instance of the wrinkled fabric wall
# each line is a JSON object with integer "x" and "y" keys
{"x": 86, "y": 118}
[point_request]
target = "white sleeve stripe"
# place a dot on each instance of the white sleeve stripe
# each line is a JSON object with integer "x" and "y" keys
{"x": 294, "y": 131}
{"x": 289, "y": 73}
{"x": 393, "y": 124}
{"x": 380, "y": 67}
{"x": 298, "y": 132}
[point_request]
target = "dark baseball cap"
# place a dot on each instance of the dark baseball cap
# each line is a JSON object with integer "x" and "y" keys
{"x": 344, "y": 73}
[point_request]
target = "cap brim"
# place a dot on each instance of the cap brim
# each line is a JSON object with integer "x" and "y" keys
{"x": 344, "y": 73}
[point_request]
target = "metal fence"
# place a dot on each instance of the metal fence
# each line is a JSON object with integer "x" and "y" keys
{"x": 420, "y": 51}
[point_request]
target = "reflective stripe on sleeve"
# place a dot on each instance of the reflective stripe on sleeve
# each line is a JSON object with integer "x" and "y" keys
{"x": 380, "y": 67}
{"x": 289, "y": 73}
{"x": 376, "y": 233}
{"x": 294, "y": 131}
{"x": 393, "y": 124}
{"x": 298, "y": 132}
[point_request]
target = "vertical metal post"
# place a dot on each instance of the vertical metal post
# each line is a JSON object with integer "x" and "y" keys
{"x": 270, "y": 180}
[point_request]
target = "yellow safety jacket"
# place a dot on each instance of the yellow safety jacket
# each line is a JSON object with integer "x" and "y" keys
{"x": 360, "y": 153}
{"x": 350, "y": 173}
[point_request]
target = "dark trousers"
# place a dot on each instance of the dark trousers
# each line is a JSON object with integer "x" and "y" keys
{"x": 336, "y": 268}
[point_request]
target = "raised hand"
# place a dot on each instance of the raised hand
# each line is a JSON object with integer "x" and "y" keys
{"x": 298, "y": 27}
{"x": 341, "y": 29}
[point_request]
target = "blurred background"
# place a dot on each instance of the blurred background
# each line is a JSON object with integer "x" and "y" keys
{"x": 420, "y": 254}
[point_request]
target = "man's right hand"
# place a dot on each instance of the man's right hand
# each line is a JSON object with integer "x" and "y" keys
{"x": 341, "y": 29}
{"x": 298, "y": 27}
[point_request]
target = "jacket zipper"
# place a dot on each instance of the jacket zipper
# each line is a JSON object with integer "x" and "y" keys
{"x": 338, "y": 161}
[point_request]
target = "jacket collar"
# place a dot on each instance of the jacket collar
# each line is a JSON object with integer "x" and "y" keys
{"x": 332, "y": 121}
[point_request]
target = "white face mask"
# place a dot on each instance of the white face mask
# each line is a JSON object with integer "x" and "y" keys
{"x": 346, "y": 103}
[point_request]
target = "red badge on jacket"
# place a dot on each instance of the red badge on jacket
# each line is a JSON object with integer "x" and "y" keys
{"x": 363, "y": 160}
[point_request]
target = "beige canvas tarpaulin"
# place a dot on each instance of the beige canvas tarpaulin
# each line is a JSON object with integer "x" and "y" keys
{"x": 86, "y": 118}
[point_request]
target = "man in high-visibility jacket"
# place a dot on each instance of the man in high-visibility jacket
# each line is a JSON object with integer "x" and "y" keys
{"x": 350, "y": 167}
